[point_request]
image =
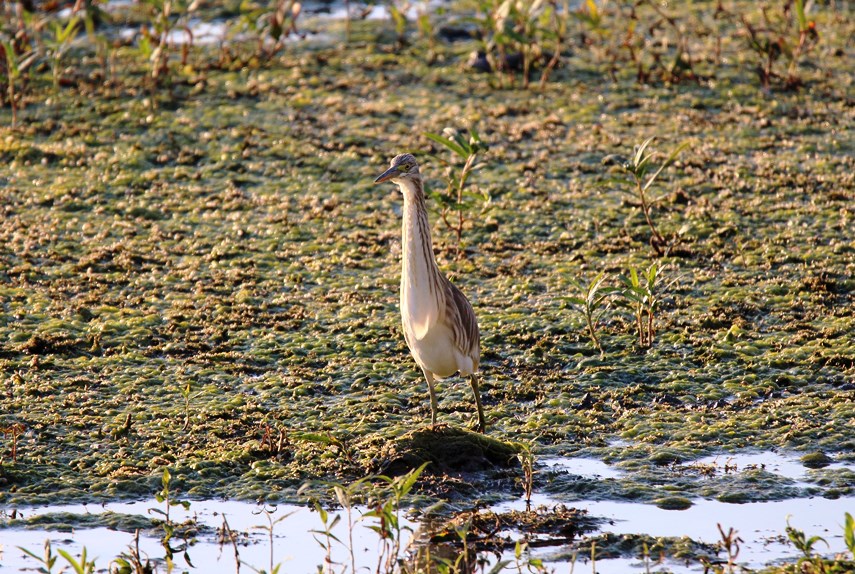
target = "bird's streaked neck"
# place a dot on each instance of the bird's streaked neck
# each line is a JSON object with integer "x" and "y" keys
{"x": 418, "y": 260}
{"x": 412, "y": 188}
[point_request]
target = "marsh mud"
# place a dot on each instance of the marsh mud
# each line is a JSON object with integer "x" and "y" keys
{"x": 199, "y": 274}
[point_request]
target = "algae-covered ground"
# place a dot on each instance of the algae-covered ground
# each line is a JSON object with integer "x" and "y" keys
{"x": 202, "y": 275}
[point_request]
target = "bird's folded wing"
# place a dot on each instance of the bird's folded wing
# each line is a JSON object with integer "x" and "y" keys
{"x": 460, "y": 317}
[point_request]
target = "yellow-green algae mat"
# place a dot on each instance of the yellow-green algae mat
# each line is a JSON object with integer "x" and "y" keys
{"x": 204, "y": 278}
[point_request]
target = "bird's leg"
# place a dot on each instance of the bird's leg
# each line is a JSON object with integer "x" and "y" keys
{"x": 433, "y": 405}
{"x": 473, "y": 380}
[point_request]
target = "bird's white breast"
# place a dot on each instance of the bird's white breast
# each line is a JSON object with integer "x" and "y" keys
{"x": 420, "y": 305}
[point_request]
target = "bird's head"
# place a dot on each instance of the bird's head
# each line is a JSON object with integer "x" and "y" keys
{"x": 402, "y": 167}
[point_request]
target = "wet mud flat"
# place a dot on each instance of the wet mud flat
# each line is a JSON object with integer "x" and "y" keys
{"x": 202, "y": 277}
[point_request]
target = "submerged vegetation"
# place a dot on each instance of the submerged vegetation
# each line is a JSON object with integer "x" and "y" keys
{"x": 196, "y": 272}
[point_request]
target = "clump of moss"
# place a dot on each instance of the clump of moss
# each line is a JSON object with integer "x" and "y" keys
{"x": 609, "y": 545}
{"x": 69, "y": 521}
{"x": 448, "y": 450}
{"x": 673, "y": 503}
{"x": 816, "y": 460}
{"x": 665, "y": 457}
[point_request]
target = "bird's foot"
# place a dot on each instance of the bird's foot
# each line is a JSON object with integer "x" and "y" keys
{"x": 435, "y": 426}
{"x": 478, "y": 426}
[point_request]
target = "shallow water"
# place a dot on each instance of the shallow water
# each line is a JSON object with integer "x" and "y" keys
{"x": 585, "y": 467}
{"x": 200, "y": 33}
{"x": 761, "y": 525}
{"x": 338, "y": 11}
{"x": 775, "y": 463}
{"x": 295, "y": 546}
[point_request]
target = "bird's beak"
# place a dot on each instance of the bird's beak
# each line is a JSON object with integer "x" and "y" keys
{"x": 390, "y": 173}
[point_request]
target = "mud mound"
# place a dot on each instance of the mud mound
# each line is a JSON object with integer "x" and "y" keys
{"x": 448, "y": 449}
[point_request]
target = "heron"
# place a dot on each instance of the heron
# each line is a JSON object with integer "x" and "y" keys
{"x": 439, "y": 323}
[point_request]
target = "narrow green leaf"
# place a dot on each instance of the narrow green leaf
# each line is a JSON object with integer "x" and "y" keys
{"x": 341, "y": 496}
{"x": 325, "y": 534}
{"x": 592, "y": 9}
{"x": 453, "y": 146}
{"x": 667, "y": 162}
{"x": 849, "y": 533}
{"x": 315, "y": 437}
{"x": 642, "y": 166}
{"x": 801, "y": 16}
{"x": 411, "y": 478}
{"x": 464, "y": 145}
{"x": 474, "y": 137}
{"x": 66, "y": 32}
{"x": 639, "y": 151}
{"x": 11, "y": 59}
{"x": 77, "y": 566}
{"x": 321, "y": 512}
{"x": 30, "y": 553}
{"x": 814, "y": 539}
{"x": 650, "y": 274}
